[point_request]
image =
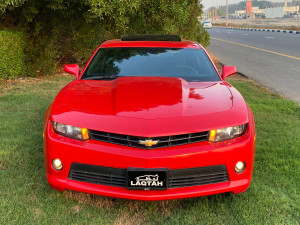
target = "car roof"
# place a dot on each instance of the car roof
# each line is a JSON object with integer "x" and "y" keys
{"x": 162, "y": 44}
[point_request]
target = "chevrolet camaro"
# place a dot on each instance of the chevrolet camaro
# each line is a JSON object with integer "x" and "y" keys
{"x": 149, "y": 118}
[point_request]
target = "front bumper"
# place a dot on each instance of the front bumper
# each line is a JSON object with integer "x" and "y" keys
{"x": 202, "y": 154}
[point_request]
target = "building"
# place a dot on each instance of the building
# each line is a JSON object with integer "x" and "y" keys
{"x": 280, "y": 12}
{"x": 259, "y": 13}
{"x": 291, "y": 10}
{"x": 255, "y": 13}
{"x": 272, "y": 13}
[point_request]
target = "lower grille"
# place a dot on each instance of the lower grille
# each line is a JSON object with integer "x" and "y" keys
{"x": 197, "y": 176}
{"x": 162, "y": 142}
{"x": 177, "y": 178}
{"x": 98, "y": 175}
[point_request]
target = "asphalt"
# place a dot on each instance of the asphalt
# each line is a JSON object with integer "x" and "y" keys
{"x": 270, "y": 58}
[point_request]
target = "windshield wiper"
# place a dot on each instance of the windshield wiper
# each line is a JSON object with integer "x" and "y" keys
{"x": 107, "y": 77}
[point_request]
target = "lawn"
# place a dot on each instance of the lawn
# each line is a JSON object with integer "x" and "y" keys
{"x": 26, "y": 198}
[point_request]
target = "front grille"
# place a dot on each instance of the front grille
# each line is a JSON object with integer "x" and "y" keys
{"x": 177, "y": 178}
{"x": 134, "y": 141}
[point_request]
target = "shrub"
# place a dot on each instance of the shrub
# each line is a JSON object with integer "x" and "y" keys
{"x": 12, "y": 55}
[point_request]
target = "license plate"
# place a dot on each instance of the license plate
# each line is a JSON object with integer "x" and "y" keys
{"x": 147, "y": 179}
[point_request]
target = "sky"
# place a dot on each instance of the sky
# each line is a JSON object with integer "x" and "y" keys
{"x": 209, "y": 3}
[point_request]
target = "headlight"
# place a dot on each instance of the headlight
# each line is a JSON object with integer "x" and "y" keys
{"x": 70, "y": 131}
{"x": 227, "y": 133}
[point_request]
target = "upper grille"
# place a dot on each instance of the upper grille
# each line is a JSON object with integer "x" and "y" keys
{"x": 133, "y": 141}
{"x": 177, "y": 178}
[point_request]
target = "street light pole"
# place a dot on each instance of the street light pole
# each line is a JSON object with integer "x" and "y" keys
{"x": 226, "y": 13}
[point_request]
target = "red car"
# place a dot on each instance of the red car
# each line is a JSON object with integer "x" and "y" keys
{"x": 149, "y": 118}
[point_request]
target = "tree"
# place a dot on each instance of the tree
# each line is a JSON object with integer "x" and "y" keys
{"x": 69, "y": 30}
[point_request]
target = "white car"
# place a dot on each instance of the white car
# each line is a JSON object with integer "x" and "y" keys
{"x": 207, "y": 24}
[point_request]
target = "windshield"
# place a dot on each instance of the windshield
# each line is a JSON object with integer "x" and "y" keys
{"x": 189, "y": 64}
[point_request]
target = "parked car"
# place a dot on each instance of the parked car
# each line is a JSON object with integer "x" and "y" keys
{"x": 207, "y": 24}
{"x": 150, "y": 106}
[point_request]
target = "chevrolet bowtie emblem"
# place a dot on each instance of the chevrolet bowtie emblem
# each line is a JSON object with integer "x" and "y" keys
{"x": 148, "y": 142}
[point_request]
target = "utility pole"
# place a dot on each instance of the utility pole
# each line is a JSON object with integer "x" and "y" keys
{"x": 226, "y": 13}
{"x": 216, "y": 10}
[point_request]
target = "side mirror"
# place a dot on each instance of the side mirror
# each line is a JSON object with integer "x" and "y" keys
{"x": 72, "y": 69}
{"x": 228, "y": 71}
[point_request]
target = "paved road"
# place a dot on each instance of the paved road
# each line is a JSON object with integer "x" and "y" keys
{"x": 270, "y": 58}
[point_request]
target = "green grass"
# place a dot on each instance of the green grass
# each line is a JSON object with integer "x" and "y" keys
{"x": 26, "y": 198}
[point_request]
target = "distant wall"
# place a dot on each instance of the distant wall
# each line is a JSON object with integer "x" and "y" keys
{"x": 272, "y": 13}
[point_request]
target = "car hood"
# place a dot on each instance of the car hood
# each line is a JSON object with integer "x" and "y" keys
{"x": 148, "y": 97}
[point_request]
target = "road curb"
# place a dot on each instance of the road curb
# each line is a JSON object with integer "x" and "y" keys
{"x": 260, "y": 29}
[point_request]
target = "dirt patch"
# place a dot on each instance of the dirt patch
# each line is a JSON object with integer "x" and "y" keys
{"x": 89, "y": 199}
{"x": 20, "y": 85}
{"x": 32, "y": 80}
{"x": 76, "y": 209}
{"x": 137, "y": 211}
{"x": 37, "y": 212}
{"x": 163, "y": 207}
{"x": 216, "y": 61}
{"x": 129, "y": 211}
{"x": 126, "y": 218}
{"x": 2, "y": 166}
{"x": 237, "y": 76}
